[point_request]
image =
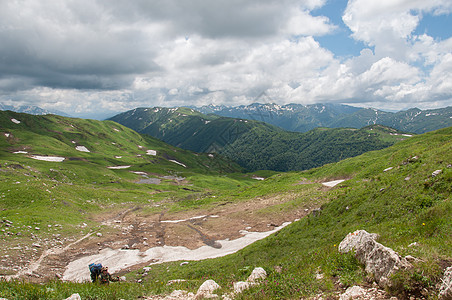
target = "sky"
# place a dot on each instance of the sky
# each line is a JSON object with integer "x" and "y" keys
{"x": 96, "y": 58}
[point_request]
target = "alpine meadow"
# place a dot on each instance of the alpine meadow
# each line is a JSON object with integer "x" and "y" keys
{"x": 75, "y": 188}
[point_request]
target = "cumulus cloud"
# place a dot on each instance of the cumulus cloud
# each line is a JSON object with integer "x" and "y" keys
{"x": 110, "y": 56}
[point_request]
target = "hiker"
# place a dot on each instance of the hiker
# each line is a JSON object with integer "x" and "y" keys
{"x": 95, "y": 270}
{"x": 106, "y": 277}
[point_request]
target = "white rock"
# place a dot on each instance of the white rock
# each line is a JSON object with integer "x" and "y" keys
{"x": 445, "y": 291}
{"x": 241, "y": 286}
{"x": 257, "y": 274}
{"x": 353, "y": 239}
{"x": 74, "y": 297}
{"x": 354, "y": 292}
{"x": 437, "y": 172}
{"x": 206, "y": 289}
{"x": 99, "y": 234}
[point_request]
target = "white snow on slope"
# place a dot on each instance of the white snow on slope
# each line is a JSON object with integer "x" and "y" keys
{"x": 176, "y": 162}
{"x": 119, "y": 167}
{"x": 82, "y": 149}
{"x": 118, "y": 259}
{"x": 333, "y": 183}
{"x": 151, "y": 152}
{"x": 48, "y": 158}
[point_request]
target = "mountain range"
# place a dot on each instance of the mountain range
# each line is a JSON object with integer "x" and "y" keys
{"x": 256, "y": 145}
{"x": 32, "y": 110}
{"x": 302, "y": 118}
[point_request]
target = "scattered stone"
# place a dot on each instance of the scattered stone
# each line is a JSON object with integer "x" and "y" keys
{"x": 354, "y": 292}
{"x": 171, "y": 282}
{"x": 74, "y": 297}
{"x": 412, "y": 259}
{"x": 412, "y": 244}
{"x": 241, "y": 286}
{"x": 387, "y": 169}
{"x": 36, "y": 245}
{"x": 184, "y": 263}
{"x": 122, "y": 278}
{"x": 257, "y": 274}
{"x": 147, "y": 269}
{"x": 206, "y": 289}
{"x": 445, "y": 291}
{"x": 99, "y": 234}
{"x": 436, "y": 173}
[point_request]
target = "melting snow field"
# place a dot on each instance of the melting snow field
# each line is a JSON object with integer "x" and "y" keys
{"x": 119, "y": 167}
{"x": 48, "y": 158}
{"x": 333, "y": 183}
{"x": 176, "y": 162}
{"x": 117, "y": 260}
{"x": 15, "y": 121}
{"x": 82, "y": 149}
{"x": 151, "y": 152}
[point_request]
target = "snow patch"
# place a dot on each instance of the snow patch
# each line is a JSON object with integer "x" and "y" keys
{"x": 119, "y": 167}
{"x": 333, "y": 183}
{"x": 20, "y": 152}
{"x": 15, "y": 121}
{"x": 7, "y": 134}
{"x": 82, "y": 149}
{"x": 176, "y": 162}
{"x": 118, "y": 259}
{"x": 185, "y": 220}
{"x": 151, "y": 152}
{"x": 48, "y": 158}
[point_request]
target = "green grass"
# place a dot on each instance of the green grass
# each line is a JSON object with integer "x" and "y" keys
{"x": 405, "y": 204}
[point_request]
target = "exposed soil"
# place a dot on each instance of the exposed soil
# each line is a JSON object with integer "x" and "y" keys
{"x": 133, "y": 229}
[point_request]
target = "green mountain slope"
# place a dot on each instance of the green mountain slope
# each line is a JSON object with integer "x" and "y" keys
{"x": 256, "y": 145}
{"x": 49, "y": 177}
{"x": 403, "y": 193}
{"x": 391, "y": 192}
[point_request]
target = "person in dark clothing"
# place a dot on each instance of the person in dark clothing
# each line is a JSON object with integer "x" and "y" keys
{"x": 106, "y": 277}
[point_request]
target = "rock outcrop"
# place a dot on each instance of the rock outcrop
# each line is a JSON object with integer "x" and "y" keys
{"x": 380, "y": 261}
{"x": 445, "y": 291}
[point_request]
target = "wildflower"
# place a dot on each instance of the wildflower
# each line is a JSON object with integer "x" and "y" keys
{"x": 423, "y": 224}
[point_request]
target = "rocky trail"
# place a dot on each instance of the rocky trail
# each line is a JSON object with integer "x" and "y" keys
{"x": 131, "y": 239}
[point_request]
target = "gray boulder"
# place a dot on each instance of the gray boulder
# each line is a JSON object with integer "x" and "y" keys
{"x": 380, "y": 261}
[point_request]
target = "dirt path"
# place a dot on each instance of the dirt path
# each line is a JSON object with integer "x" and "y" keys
{"x": 131, "y": 239}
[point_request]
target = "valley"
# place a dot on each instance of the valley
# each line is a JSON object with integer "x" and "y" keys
{"x": 74, "y": 190}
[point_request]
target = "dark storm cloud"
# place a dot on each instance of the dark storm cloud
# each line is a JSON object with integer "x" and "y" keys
{"x": 60, "y": 48}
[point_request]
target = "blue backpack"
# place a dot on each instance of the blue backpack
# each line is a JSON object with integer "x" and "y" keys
{"x": 95, "y": 271}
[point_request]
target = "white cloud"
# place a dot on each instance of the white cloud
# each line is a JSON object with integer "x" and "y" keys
{"x": 81, "y": 56}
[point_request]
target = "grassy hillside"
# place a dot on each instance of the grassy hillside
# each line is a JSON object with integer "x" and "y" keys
{"x": 122, "y": 170}
{"x": 256, "y": 145}
{"x": 391, "y": 192}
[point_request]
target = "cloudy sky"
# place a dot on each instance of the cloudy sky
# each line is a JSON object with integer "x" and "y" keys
{"x": 94, "y": 58}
